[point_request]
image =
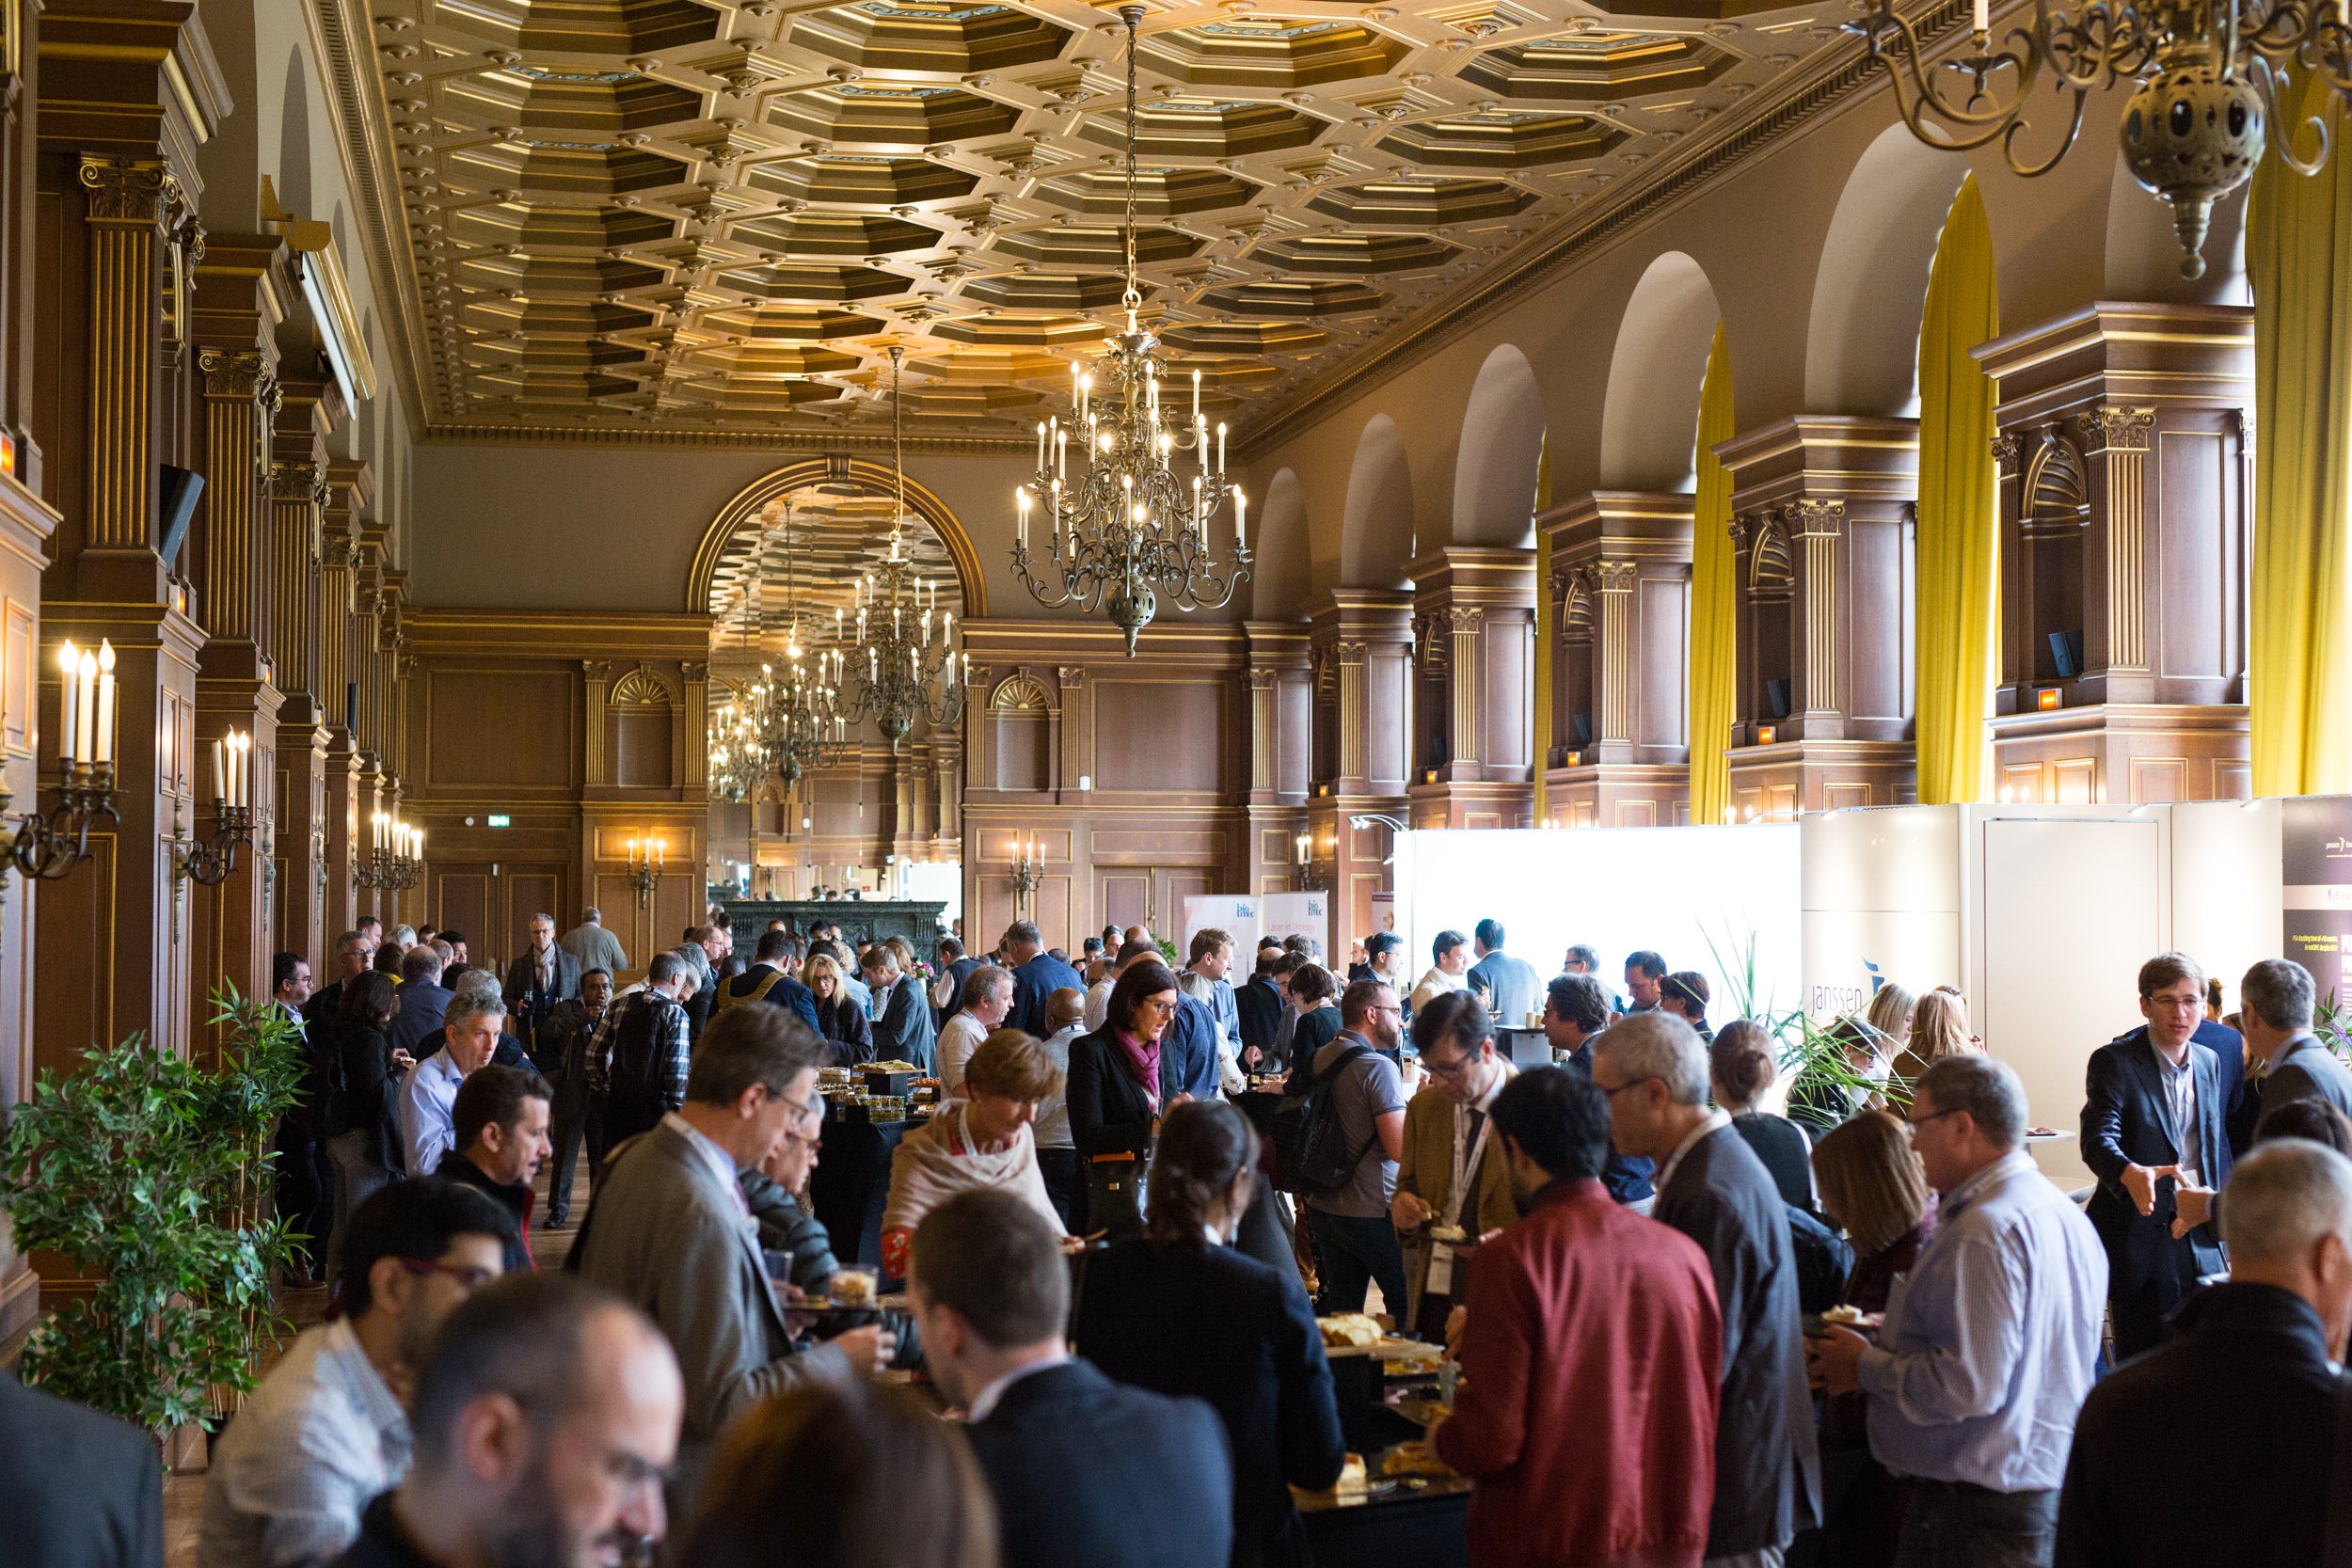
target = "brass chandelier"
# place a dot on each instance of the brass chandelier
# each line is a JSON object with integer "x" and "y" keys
{"x": 1133, "y": 525}
{"x": 2209, "y": 76}
{"x": 904, "y": 661}
{"x": 785, "y": 723}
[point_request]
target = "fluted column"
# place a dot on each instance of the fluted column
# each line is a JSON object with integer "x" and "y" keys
{"x": 131, "y": 205}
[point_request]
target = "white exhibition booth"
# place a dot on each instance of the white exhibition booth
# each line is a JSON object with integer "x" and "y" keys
{"x": 2041, "y": 915}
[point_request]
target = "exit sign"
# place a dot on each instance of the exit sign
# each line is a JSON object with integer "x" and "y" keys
{"x": 500, "y": 820}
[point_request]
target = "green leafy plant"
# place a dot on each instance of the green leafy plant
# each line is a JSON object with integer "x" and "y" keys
{"x": 2332, "y": 1021}
{"x": 149, "y": 1174}
{"x": 1813, "y": 1051}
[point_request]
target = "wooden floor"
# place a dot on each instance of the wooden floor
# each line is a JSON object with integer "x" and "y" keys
{"x": 183, "y": 1489}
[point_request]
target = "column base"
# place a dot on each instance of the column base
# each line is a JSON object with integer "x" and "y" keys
{"x": 1776, "y": 783}
{"x": 1467, "y": 804}
{"x": 2123, "y": 752}
{"x": 1618, "y": 795}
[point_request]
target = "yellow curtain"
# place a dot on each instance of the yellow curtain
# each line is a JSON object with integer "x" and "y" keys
{"x": 1714, "y": 608}
{"x": 1959, "y": 539}
{"x": 1543, "y": 630}
{"x": 2300, "y": 662}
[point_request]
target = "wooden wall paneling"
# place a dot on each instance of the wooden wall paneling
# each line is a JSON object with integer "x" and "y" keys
{"x": 499, "y": 729}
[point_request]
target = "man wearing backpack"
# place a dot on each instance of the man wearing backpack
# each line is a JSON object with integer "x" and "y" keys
{"x": 1355, "y": 1239}
{"x": 637, "y": 1062}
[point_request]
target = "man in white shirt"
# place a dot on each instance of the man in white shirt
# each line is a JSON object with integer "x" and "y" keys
{"x": 987, "y": 998}
{"x": 428, "y": 1096}
{"x": 327, "y": 1430}
{"x": 1450, "y": 962}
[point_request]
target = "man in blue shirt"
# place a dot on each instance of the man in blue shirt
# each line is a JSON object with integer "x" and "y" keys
{"x": 1036, "y": 975}
{"x": 1212, "y": 960}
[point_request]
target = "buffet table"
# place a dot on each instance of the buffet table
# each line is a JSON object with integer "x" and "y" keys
{"x": 852, "y": 1182}
{"x": 863, "y": 921}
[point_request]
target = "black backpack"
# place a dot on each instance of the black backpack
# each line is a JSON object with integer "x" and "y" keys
{"x": 1311, "y": 1153}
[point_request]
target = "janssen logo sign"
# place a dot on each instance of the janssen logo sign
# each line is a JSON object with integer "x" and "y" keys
{"x": 1837, "y": 1000}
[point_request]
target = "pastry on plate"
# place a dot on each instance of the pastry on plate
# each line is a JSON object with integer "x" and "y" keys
{"x": 1349, "y": 1328}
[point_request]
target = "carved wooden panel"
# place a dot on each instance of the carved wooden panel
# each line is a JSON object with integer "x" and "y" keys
{"x": 461, "y": 899}
{"x": 1024, "y": 742}
{"x": 499, "y": 729}
{"x": 1125, "y": 898}
{"x": 2198, "y": 626}
{"x": 1662, "y": 704}
{"x": 643, "y": 746}
{"x": 1160, "y": 736}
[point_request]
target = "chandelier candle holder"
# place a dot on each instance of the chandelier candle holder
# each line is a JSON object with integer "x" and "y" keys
{"x": 211, "y": 860}
{"x": 46, "y": 846}
{"x": 1026, "y": 870}
{"x": 1135, "y": 523}
{"x": 2208, "y": 75}
{"x": 395, "y": 858}
{"x": 645, "y": 868}
{"x": 1310, "y": 871}
{"x": 908, "y": 643}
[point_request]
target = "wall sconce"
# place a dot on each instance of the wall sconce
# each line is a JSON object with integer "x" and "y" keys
{"x": 396, "y": 859}
{"x": 1309, "y": 872}
{"x": 210, "y": 862}
{"x": 2048, "y": 698}
{"x": 1027, "y": 870}
{"x": 645, "y": 868}
{"x": 46, "y": 846}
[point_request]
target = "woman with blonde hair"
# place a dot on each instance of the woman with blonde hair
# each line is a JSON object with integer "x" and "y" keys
{"x": 986, "y": 1139}
{"x": 1822, "y": 1096}
{"x": 839, "y": 1019}
{"x": 1939, "y": 1028}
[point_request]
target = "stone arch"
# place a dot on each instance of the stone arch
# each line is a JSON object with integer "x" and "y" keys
{"x": 753, "y": 500}
{"x": 1501, "y": 446}
{"x": 1862, "y": 341}
{"x": 1649, "y": 421}
{"x": 1376, "y": 529}
{"x": 2143, "y": 254}
{"x": 1282, "y": 570}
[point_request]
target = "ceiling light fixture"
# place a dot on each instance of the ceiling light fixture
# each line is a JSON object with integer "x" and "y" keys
{"x": 2209, "y": 78}
{"x": 1131, "y": 529}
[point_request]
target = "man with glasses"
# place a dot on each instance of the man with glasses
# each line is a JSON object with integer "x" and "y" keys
{"x": 1354, "y": 1234}
{"x": 1990, "y": 1347}
{"x": 1576, "y": 1010}
{"x": 327, "y": 1430}
{"x": 669, "y": 1230}
{"x": 538, "y": 981}
{"x": 1450, "y": 1176}
{"x": 2154, "y": 1123}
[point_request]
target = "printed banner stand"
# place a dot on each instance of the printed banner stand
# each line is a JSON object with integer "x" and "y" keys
{"x": 1236, "y": 914}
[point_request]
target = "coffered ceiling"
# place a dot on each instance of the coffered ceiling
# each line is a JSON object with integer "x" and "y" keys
{"x": 685, "y": 220}
{"x": 799, "y": 558}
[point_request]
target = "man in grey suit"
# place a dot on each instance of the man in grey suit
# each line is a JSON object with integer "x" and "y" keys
{"x": 668, "y": 1231}
{"x": 902, "y": 1020}
{"x": 2275, "y": 1014}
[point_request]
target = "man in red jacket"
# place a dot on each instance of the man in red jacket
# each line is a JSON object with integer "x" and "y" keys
{"x": 1590, "y": 1350}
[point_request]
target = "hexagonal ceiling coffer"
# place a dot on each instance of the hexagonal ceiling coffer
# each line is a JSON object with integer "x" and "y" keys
{"x": 1415, "y": 199}
{"x": 891, "y": 115}
{"x": 1189, "y": 127}
{"x": 582, "y": 26}
{"x": 993, "y": 365}
{"x": 535, "y": 318}
{"x": 1228, "y": 337}
{"x": 1037, "y": 291}
{"x": 1272, "y": 52}
{"x": 569, "y": 102}
{"x": 1355, "y": 255}
{"x": 772, "y": 359}
{"x": 1160, "y": 192}
{"x": 730, "y": 395}
{"x": 1502, "y": 138}
{"x": 542, "y": 225}
{"x": 866, "y": 178}
{"x": 1599, "y": 67}
{"x": 967, "y": 402}
{"x": 1293, "y": 298}
{"x": 836, "y": 234}
{"x": 1080, "y": 245}
{"x": 786, "y": 324}
{"x": 555, "y": 386}
{"x": 921, "y": 36}
{"x": 989, "y": 330}
{"x": 814, "y": 284}
{"x": 537, "y": 353}
{"x": 567, "y": 168}
{"x": 536, "y": 275}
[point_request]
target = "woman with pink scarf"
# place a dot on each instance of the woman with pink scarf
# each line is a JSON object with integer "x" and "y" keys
{"x": 1118, "y": 1093}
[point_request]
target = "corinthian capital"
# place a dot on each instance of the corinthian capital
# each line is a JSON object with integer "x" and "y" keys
{"x": 233, "y": 374}
{"x": 128, "y": 190}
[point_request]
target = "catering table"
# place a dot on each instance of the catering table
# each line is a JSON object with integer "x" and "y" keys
{"x": 851, "y": 1182}
{"x": 1425, "y": 1525}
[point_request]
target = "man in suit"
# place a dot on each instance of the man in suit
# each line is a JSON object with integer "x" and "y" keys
{"x": 666, "y": 1232}
{"x": 1077, "y": 1463}
{"x": 2152, "y": 1123}
{"x": 767, "y": 981}
{"x": 1510, "y": 987}
{"x": 1713, "y": 1189}
{"x": 352, "y": 955}
{"x": 1036, "y": 975}
{"x": 1447, "y": 1136}
{"x": 1212, "y": 960}
{"x": 562, "y": 1053}
{"x": 422, "y": 999}
{"x": 595, "y": 946}
{"x": 955, "y": 968}
{"x": 902, "y": 1014}
{"x": 306, "y": 1189}
{"x": 1261, "y": 1004}
{"x": 542, "y": 977}
{"x": 1576, "y": 1010}
{"x": 2249, "y": 1360}
{"x": 78, "y": 1489}
{"x": 2275, "y": 1001}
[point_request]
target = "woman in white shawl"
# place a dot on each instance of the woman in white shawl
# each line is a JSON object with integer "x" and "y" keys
{"x": 984, "y": 1140}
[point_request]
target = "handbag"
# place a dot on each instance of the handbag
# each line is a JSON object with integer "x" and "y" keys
{"x": 1114, "y": 1194}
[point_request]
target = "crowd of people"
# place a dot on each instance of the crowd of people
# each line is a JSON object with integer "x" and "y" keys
{"x": 1689, "y": 1329}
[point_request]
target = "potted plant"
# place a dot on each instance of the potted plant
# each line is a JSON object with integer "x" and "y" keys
{"x": 148, "y": 1176}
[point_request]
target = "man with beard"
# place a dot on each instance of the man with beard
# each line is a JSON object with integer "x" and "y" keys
{"x": 547, "y": 1420}
{"x": 325, "y": 1429}
{"x": 1589, "y": 1436}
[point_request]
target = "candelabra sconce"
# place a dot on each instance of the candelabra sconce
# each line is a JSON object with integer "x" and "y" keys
{"x": 1311, "y": 878}
{"x": 1026, "y": 871}
{"x": 46, "y": 846}
{"x": 395, "y": 860}
{"x": 645, "y": 868}
{"x": 210, "y": 862}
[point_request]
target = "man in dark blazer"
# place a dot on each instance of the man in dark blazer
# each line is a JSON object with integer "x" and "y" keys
{"x": 1713, "y": 1189}
{"x": 78, "y": 1489}
{"x": 1036, "y": 975}
{"x": 903, "y": 1020}
{"x": 2152, "y": 1121}
{"x": 1078, "y": 1464}
{"x": 2275, "y": 1002}
{"x": 767, "y": 980}
{"x": 2218, "y": 1446}
{"x": 955, "y": 968}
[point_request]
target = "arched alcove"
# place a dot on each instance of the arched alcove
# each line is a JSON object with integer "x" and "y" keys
{"x": 1376, "y": 528}
{"x": 1861, "y": 354}
{"x": 734, "y": 539}
{"x": 2143, "y": 254}
{"x": 1281, "y": 573}
{"x": 1503, "y": 443}
{"x": 1649, "y": 422}
{"x": 292, "y": 177}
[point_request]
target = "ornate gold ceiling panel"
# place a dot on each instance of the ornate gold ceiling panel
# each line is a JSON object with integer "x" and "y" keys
{"x": 710, "y": 219}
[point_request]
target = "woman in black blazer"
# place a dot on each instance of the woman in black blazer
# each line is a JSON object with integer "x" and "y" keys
{"x": 1171, "y": 1312}
{"x": 1113, "y": 1103}
{"x": 839, "y": 1019}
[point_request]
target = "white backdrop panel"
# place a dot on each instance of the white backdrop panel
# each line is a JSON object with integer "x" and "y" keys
{"x": 2226, "y": 911}
{"x": 1669, "y": 889}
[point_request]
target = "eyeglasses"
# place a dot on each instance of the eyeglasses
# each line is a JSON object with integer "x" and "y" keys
{"x": 1454, "y": 1069}
{"x": 808, "y": 1113}
{"x": 1622, "y": 1087}
{"x": 471, "y": 1276}
{"x": 1912, "y": 1124}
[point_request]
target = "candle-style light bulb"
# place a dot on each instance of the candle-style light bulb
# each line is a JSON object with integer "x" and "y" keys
{"x": 69, "y": 692}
